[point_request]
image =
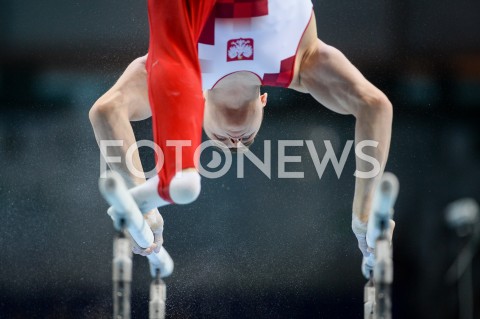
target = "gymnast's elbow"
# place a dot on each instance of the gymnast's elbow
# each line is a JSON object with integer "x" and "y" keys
{"x": 107, "y": 107}
{"x": 375, "y": 105}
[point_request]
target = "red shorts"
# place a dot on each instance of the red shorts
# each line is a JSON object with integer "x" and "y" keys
{"x": 174, "y": 80}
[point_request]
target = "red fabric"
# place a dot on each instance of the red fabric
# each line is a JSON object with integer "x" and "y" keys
{"x": 241, "y": 8}
{"x": 174, "y": 79}
{"x": 208, "y": 33}
{"x": 232, "y": 9}
{"x": 283, "y": 78}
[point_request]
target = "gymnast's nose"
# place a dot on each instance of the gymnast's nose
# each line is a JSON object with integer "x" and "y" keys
{"x": 234, "y": 141}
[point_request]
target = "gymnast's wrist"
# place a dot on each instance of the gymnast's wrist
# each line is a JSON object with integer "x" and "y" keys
{"x": 358, "y": 227}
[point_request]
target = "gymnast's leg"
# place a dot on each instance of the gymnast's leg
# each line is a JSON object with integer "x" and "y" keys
{"x": 175, "y": 93}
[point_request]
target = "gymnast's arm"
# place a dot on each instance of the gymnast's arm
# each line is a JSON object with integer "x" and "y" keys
{"x": 334, "y": 82}
{"x": 111, "y": 114}
{"x": 110, "y": 117}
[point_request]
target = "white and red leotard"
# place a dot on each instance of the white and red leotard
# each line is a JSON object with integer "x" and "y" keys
{"x": 263, "y": 40}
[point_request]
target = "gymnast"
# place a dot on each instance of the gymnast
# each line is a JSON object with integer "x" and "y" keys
{"x": 206, "y": 64}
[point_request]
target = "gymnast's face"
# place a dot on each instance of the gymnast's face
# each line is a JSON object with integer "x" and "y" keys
{"x": 233, "y": 125}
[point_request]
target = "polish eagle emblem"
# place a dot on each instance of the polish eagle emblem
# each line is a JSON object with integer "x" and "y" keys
{"x": 239, "y": 50}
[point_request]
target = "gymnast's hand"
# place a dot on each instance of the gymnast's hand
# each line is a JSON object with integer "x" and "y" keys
{"x": 155, "y": 221}
{"x": 359, "y": 228}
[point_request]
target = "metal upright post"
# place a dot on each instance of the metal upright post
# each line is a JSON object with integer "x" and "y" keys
{"x": 369, "y": 300}
{"x": 158, "y": 297}
{"x": 122, "y": 276}
{"x": 463, "y": 215}
{"x": 377, "y": 299}
{"x": 383, "y": 278}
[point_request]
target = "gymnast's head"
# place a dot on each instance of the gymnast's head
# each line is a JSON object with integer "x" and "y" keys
{"x": 233, "y": 116}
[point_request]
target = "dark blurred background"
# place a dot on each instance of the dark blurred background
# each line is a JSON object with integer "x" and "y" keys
{"x": 252, "y": 247}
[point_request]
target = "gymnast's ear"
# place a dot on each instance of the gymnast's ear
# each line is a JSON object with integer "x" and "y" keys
{"x": 263, "y": 99}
